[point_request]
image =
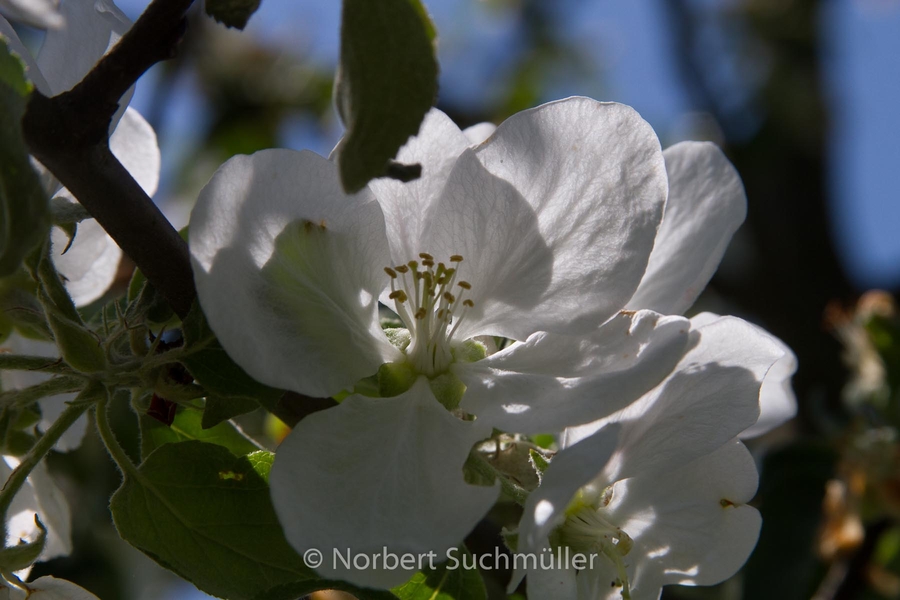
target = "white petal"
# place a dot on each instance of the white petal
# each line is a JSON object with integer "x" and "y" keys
{"x": 711, "y": 397}
{"x": 595, "y": 177}
{"x": 777, "y": 401}
{"x": 558, "y": 584}
{"x": 51, "y": 406}
{"x": 134, "y": 144}
{"x": 288, "y": 271}
{"x": 553, "y": 381}
{"x": 54, "y": 512}
{"x": 39, "y": 495}
{"x": 690, "y": 525}
{"x": 436, "y": 147}
{"x": 509, "y": 266}
{"x": 91, "y": 28}
{"x": 373, "y": 473}
{"x": 91, "y": 263}
{"x": 50, "y": 588}
{"x": 37, "y": 13}
{"x": 705, "y": 207}
{"x": 571, "y": 469}
{"x": 478, "y": 133}
{"x": 15, "y": 44}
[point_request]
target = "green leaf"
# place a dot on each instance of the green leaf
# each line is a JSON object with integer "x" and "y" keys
{"x": 186, "y": 427}
{"x": 386, "y": 82}
{"x": 24, "y": 206}
{"x": 232, "y": 13}
{"x": 447, "y": 581}
{"x": 205, "y": 514}
{"x": 230, "y": 391}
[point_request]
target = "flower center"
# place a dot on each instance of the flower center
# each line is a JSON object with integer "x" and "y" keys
{"x": 429, "y": 300}
{"x": 586, "y": 530}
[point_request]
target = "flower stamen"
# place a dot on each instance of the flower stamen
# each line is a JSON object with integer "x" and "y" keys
{"x": 433, "y": 314}
{"x": 586, "y": 530}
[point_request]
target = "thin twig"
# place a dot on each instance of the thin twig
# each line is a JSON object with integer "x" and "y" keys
{"x": 68, "y": 133}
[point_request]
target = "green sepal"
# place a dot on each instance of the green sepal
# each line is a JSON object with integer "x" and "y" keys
{"x": 470, "y": 351}
{"x": 23, "y": 555}
{"x": 448, "y": 389}
{"x": 79, "y": 347}
{"x": 510, "y": 538}
{"x": 395, "y": 378}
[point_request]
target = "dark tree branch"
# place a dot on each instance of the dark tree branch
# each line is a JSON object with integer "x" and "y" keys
{"x": 69, "y": 135}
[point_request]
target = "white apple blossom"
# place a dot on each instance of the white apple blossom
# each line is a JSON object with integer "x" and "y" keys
{"x": 541, "y": 234}
{"x": 91, "y": 27}
{"x": 705, "y": 206}
{"x": 657, "y": 492}
{"x": 37, "y": 13}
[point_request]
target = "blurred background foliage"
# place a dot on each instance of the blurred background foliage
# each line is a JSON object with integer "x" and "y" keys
{"x": 802, "y": 96}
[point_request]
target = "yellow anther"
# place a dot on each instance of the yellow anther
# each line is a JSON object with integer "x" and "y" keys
{"x": 398, "y": 295}
{"x": 468, "y": 303}
{"x": 391, "y": 273}
{"x": 426, "y": 256}
{"x": 465, "y": 285}
{"x": 441, "y": 313}
{"x": 402, "y": 268}
{"x": 456, "y": 258}
{"x": 420, "y": 314}
{"x": 413, "y": 265}
{"x": 427, "y": 262}
{"x": 449, "y": 297}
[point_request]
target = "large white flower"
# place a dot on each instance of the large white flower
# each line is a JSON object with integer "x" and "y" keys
{"x": 68, "y": 53}
{"x": 541, "y": 234}
{"x": 657, "y": 493}
{"x": 705, "y": 206}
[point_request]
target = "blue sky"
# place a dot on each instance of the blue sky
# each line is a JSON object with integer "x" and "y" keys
{"x": 626, "y": 42}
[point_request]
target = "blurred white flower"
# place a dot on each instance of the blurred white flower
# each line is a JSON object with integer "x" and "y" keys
{"x": 68, "y": 53}
{"x": 37, "y": 13}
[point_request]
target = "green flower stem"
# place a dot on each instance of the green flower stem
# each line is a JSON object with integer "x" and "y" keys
{"x": 44, "y": 364}
{"x": 118, "y": 454}
{"x": 40, "y": 449}
{"x": 481, "y": 466}
{"x": 62, "y": 384}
